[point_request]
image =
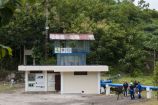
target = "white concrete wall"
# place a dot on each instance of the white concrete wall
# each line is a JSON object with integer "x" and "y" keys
{"x": 77, "y": 83}
{"x": 39, "y": 85}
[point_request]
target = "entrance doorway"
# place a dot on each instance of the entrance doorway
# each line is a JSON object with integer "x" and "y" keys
{"x": 57, "y": 82}
{"x": 53, "y": 81}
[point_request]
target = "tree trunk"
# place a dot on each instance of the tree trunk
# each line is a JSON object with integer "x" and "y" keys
{"x": 46, "y": 30}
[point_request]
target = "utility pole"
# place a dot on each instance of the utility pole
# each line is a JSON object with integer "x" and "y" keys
{"x": 46, "y": 30}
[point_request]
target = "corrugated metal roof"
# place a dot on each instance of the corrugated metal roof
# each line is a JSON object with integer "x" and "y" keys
{"x": 71, "y": 37}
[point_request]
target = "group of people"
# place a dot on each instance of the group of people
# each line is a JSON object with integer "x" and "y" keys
{"x": 132, "y": 89}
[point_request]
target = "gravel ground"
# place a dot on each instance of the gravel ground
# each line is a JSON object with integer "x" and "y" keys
{"x": 21, "y": 98}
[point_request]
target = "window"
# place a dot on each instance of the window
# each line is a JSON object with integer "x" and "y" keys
{"x": 71, "y": 44}
{"x": 50, "y": 71}
{"x": 29, "y": 60}
{"x": 80, "y": 73}
{"x": 62, "y": 44}
{"x": 31, "y": 85}
{"x": 40, "y": 77}
{"x": 35, "y": 71}
{"x": 31, "y": 77}
{"x": 75, "y": 59}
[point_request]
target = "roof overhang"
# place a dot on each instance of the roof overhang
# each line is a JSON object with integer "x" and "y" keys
{"x": 101, "y": 68}
{"x": 71, "y": 37}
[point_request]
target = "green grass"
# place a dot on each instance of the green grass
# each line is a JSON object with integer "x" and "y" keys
{"x": 7, "y": 88}
{"x": 145, "y": 80}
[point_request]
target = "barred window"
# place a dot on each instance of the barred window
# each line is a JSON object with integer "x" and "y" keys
{"x": 80, "y": 73}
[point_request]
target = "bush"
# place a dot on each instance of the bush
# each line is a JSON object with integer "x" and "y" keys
{"x": 49, "y": 61}
{"x": 3, "y": 74}
{"x": 136, "y": 73}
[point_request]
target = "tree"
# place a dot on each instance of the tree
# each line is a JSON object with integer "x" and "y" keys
{"x": 156, "y": 76}
{"x": 121, "y": 30}
{"x": 7, "y": 8}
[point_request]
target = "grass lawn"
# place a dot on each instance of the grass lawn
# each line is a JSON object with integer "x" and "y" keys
{"x": 8, "y": 88}
{"x": 145, "y": 80}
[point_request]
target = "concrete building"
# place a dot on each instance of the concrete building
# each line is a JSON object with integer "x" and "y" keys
{"x": 71, "y": 74}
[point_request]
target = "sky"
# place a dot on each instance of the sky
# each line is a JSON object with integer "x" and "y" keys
{"x": 153, "y": 3}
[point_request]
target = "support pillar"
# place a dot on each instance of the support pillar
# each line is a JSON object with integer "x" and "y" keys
{"x": 62, "y": 82}
{"x": 46, "y": 81}
{"x": 107, "y": 89}
{"x": 149, "y": 93}
{"x": 98, "y": 75}
{"x": 26, "y": 80}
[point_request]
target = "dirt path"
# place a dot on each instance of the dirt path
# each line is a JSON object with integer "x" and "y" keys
{"x": 19, "y": 98}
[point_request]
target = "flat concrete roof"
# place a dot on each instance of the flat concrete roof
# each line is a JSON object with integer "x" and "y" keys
{"x": 92, "y": 68}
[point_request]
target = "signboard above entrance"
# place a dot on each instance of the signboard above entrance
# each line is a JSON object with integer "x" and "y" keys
{"x": 62, "y": 50}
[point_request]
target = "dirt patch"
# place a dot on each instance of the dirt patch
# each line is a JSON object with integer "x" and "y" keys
{"x": 21, "y": 98}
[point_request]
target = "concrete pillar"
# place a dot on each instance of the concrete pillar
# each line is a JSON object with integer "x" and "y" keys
{"x": 107, "y": 89}
{"x": 62, "y": 82}
{"x": 102, "y": 90}
{"x": 149, "y": 93}
{"x": 26, "y": 80}
{"x": 98, "y": 75}
{"x": 46, "y": 81}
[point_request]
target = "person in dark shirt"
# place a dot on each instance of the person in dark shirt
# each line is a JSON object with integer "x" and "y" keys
{"x": 135, "y": 86}
{"x": 139, "y": 87}
{"x": 131, "y": 89}
{"x": 125, "y": 87}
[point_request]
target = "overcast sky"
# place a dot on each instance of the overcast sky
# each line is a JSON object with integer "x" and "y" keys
{"x": 153, "y": 3}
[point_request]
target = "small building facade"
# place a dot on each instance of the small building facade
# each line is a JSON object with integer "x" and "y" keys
{"x": 71, "y": 74}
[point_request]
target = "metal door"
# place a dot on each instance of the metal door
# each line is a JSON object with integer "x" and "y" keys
{"x": 51, "y": 82}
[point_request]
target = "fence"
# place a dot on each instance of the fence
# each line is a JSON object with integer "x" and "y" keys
{"x": 107, "y": 87}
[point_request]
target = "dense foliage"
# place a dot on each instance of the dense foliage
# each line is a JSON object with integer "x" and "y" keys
{"x": 156, "y": 74}
{"x": 125, "y": 34}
